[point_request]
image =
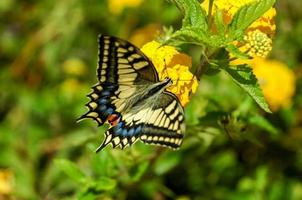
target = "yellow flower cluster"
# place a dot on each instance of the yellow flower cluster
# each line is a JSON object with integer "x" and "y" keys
{"x": 259, "y": 32}
{"x": 258, "y": 44}
{"x": 276, "y": 80}
{"x": 175, "y": 65}
{"x": 117, "y": 6}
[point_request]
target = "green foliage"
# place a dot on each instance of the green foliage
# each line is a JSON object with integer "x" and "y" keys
{"x": 195, "y": 31}
{"x": 194, "y": 16}
{"x": 231, "y": 150}
{"x": 72, "y": 170}
{"x": 244, "y": 77}
{"x": 247, "y": 14}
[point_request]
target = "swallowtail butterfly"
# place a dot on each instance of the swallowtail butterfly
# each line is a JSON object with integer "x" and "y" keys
{"x": 131, "y": 98}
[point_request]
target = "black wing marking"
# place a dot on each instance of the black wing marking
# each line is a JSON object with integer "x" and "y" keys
{"x": 120, "y": 62}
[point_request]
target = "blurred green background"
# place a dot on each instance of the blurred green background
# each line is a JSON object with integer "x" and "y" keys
{"x": 48, "y": 54}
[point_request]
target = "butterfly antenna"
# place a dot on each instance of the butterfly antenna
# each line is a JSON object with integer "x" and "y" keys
{"x": 165, "y": 68}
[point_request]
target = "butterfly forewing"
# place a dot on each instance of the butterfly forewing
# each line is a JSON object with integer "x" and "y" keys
{"x": 122, "y": 63}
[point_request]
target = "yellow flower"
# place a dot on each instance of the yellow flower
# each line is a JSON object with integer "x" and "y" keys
{"x": 276, "y": 80}
{"x": 171, "y": 63}
{"x": 258, "y": 38}
{"x": 145, "y": 34}
{"x": 117, "y": 6}
{"x": 74, "y": 66}
{"x": 257, "y": 45}
{"x": 6, "y": 179}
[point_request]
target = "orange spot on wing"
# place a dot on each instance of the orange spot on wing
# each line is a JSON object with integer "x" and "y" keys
{"x": 113, "y": 119}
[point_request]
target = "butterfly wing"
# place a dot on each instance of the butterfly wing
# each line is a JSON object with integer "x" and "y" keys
{"x": 122, "y": 70}
{"x": 160, "y": 124}
{"x": 165, "y": 122}
{"x": 120, "y": 62}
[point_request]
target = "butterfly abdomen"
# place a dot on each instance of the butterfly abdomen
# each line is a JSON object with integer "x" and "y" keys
{"x": 158, "y": 87}
{"x": 151, "y": 93}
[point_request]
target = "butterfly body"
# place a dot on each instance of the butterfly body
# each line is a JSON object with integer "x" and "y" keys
{"x": 132, "y": 99}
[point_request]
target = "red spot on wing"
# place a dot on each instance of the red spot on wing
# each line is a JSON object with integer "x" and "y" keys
{"x": 113, "y": 119}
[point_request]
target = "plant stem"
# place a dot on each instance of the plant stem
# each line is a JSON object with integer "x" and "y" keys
{"x": 210, "y": 12}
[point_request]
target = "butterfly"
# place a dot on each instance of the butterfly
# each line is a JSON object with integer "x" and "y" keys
{"x": 131, "y": 98}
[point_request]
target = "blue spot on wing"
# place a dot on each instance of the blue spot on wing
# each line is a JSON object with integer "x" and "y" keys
{"x": 103, "y": 101}
{"x": 105, "y": 93}
{"x": 118, "y": 131}
{"x": 125, "y": 132}
{"x": 138, "y": 130}
{"x": 102, "y": 108}
{"x": 131, "y": 131}
{"x": 109, "y": 111}
{"x": 122, "y": 130}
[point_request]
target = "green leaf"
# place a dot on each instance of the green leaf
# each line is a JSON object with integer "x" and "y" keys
{"x": 218, "y": 20}
{"x": 194, "y": 15}
{"x": 104, "y": 183}
{"x": 243, "y": 76}
{"x": 166, "y": 162}
{"x": 261, "y": 122}
{"x": 140, "y": 169}
{"x": 236, "y": 52}
{"x": 86, "y": 196}
{"x": 71, "y": 169}
{"x": 248, "y": 13}
{"x": 188, "y": 35}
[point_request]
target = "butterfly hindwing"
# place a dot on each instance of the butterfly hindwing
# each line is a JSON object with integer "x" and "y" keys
{"x": 165, "y": 124}
{"x": 100, "y": 106}
{"x": 161, "y": 124}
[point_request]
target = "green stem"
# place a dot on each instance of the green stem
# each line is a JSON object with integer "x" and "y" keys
{"x": 210, "y": 12}
{"x": 204, "y": 60}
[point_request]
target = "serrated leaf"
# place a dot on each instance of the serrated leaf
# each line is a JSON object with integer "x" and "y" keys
{"x": 236, "y": 52}
{"x": 248, "y": 13}
{"x": 188, "y": 35}
{"x": 194, "y": 15}
{"x": 71, "y": 169}
{"x": 243, "y": 76}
